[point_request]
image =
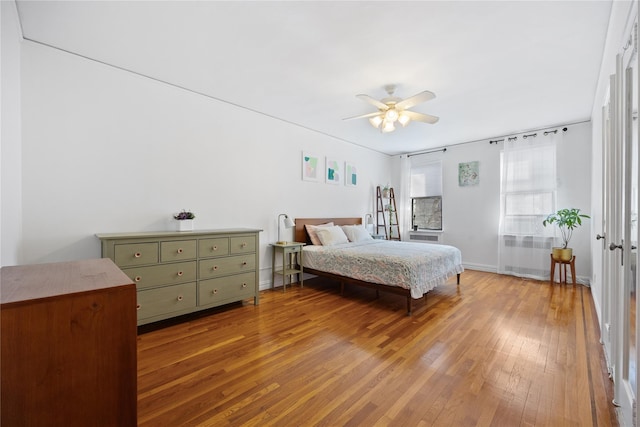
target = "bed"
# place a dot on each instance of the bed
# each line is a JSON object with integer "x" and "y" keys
{"x": 405, "y": 268}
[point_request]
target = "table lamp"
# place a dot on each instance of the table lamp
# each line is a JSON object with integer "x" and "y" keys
{"x": 288, "y": 223}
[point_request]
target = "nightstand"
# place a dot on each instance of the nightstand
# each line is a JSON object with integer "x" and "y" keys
{"x": 288, "y": 251}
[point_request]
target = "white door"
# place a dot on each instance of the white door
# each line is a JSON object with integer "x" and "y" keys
{"x": 622, "y": 231}
{"x": 608, "y": 190}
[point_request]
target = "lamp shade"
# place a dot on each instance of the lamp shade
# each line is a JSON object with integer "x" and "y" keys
{"x": 375, "y": 121}
{"x": 288, "y": 222}
{"x": 369, "y": 223}
{"x": 388, "y": 127}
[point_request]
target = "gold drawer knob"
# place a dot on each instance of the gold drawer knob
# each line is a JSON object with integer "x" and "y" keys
{"x": 244, "y": 285}
{"x": 179, "y": 250}
{"x": 180, "y": 273}
{"x": 179, "y": 297}
{"x": 137, "y": 255}
{"x": 138, "y": 278}
{"x": 215, "y": 267}
{"x": 243, "y": 245}
{"x": 138, "y": 307}
{"x": 213, "y": 292}
{"x": 214, "y": 248}
{"x": 244, "y": 263}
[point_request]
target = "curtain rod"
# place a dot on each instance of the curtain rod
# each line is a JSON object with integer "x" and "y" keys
{"x": 535, "y": 134}
{"x": 427, "y": 152}
{"x": 495, "y": 141}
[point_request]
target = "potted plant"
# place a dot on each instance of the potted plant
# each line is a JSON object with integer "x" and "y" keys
{"x": 385, "y": 192}
{"x": 184, "y": 220}
{"x": 566, "y": 220}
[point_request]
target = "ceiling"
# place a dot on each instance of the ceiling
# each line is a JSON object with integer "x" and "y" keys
{"x": 496, "y": 67}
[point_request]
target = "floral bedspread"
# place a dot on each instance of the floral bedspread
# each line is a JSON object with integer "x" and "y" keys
{"x": 419, "y": 267}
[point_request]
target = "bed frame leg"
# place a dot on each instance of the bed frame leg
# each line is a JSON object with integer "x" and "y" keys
{"x": 341, "y": 288}
{"x": 409, "y": 304}
{"x": 458, "y": 279}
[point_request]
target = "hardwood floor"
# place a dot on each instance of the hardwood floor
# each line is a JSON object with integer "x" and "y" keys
{"x": 495, "y": 351}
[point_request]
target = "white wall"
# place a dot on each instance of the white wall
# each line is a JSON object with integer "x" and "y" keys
{"x": 109, "y": 151}
{"x": 471, "y": 214}
{"x": 10, "y": 152}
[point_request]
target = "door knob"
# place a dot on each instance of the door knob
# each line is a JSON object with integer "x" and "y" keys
{"x": 598, "y": 237}
{"x": 613, "y": 247}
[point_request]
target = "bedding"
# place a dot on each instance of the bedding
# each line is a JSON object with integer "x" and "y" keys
{"x": 312, "y": 231}
{"x": 330, "y": 236}
{"x": 356, "y": 233}
{"x": 417, "y": 267}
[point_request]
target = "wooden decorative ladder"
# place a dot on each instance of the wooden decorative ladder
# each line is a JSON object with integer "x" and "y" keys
{"x": 392, "y": 232}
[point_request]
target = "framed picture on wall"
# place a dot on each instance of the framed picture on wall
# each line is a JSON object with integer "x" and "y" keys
{"x": 333, "y": 174}
{"x": 468, "y": 174}
{"x": 310, "y": 167}
{"x": 350, "y": 174}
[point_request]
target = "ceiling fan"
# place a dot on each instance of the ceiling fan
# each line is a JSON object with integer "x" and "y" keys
{"x": 393, "y": 109}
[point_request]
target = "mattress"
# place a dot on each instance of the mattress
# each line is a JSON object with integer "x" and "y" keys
{"x": 418, "y": 267}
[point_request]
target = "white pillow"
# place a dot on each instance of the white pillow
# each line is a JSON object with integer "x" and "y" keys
{"x": 330, "y": 236}
{"x": 311, "y": 231}
{"x": 356, "y": 233}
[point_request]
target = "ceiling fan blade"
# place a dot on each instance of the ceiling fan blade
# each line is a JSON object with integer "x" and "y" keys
{"x": 364, "y": 116}
{"x": 373, "y": 101}
{"x": 415, "y": 100}
{"x": 420, "y": 117}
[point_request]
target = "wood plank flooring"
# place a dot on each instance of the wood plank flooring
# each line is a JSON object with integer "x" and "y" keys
{"x": 495, "y": 351}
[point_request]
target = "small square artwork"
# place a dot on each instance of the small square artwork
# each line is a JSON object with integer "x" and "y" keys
{"x": 333, "y": 173}
{"x": 350, "y": 174}
{"x": 310, "y": 167}
{"x": 468, "y": 174}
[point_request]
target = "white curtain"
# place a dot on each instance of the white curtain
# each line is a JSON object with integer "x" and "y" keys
{"x": 527, "y": 196}
{"x": 404, "y": 207}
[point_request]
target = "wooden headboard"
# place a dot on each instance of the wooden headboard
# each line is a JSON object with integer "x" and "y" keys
{"x": 301, "y": 232}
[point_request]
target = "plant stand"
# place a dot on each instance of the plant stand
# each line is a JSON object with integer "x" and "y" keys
{"x": 563, "y": 278}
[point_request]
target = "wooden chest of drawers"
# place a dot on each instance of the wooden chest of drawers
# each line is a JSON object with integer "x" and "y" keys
{"x": 179, "y": 272}
{"x": 68, "y": 350}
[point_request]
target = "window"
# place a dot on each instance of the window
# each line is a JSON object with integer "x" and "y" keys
{"x": 528, "y": 189}
{"x": 426, "y": 213}
{"x": 426, "y": 196}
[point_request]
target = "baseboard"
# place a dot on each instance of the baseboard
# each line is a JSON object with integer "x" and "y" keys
{"x": 480, "y": 267}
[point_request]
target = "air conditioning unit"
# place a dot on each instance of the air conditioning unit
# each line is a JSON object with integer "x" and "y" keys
{"x": 423, "y": 237}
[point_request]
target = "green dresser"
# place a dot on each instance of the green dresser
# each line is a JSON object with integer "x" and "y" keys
{"x": 179, "y": 272}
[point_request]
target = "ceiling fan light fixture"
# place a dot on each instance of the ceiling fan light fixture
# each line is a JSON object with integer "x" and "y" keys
{"x": 375, "y": 121}
{"x": 393, "y": 109}
{"x": 391, "y": 115}
{"x": 387, "y": 127}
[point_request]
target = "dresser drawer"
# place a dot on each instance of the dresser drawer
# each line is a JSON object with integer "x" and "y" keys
{"x": 131, "y": 254}
{"x": 213, "y": 247}
{"x": 292, "y": 250}
{"x": 216, "y": 291}
{"x": 163, "y": 274}
{"x": 243, "y": 244}
{"x": 169, "y": 299}
{"x": 225, "y": 266}
{"x": 177, "y": 250}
